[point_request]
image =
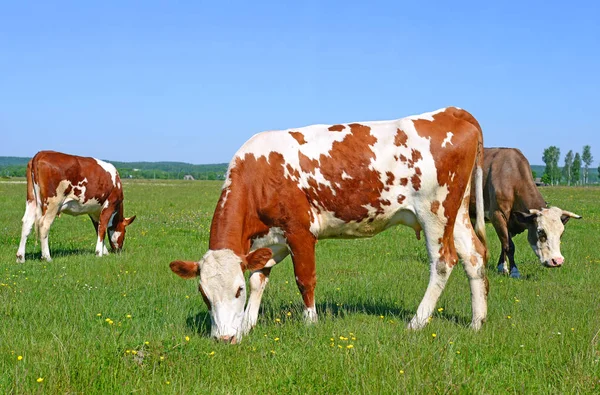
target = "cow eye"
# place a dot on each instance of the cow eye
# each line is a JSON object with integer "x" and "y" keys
{"x": 541, "y": 236}
{"x": 239, "y": 292}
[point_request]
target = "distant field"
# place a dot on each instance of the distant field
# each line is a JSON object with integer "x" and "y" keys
{"x": 124, "y": 323}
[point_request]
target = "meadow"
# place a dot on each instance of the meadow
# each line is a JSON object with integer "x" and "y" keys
{"x": 125, "y": 323}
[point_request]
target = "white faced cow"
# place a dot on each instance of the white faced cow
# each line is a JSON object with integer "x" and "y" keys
{"x": 60, "y": 183}
{"x": 286, "y": 189}
{"x": 513, "y": 204}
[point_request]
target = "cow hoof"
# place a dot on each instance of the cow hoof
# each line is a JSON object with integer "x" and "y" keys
{"x": 514, "y": 273}
{"x": 20, "y": 259}
{"x": 476, "y": 325}
{"x": 47, "y": 259}
{"x": 502, "y": 269}
{"x": 415, "y": 324}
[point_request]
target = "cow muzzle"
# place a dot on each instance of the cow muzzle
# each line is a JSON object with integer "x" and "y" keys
{"x": 554, "y": 262}
{"x": 228, "y": 339}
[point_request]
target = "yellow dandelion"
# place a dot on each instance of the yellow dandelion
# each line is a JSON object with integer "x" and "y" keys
{"x": 168, "y": 382}
{"x": 128, "y": 316}
{"x": 162, "y": 358}
{"x": 402, "y": 372}
{"x": 211, "y": 353}
{"x": 289, "y": 314}
{"x": 440, "y": 309}
{"x": 276, "y": 339}
{"x": 107, "y": 320}
{"x": 127, "y": 351}
{"x": 277, "y": 320}
{"x": 433, "y": 335}
{"x": 111, "y": 322}
{"x": 572, "y": 329}
{"x": 273, "y": 352}
{"x": 187, "y": 338}
{"x": 134, "y": 352}
{"x": 331, "y": 339}
{"x": 20, "y": 357}
{"x": 508, "y": 317}
{"x": 332, "y": 344}
{"x": 381, "y": 317}
{"x": 99, "y": 315}
{"x": 40, "y": 379}
{"x": 187, "y": 296}
{"x": 458, "y": 352}
{"x": 147, "y": 343}
{"x": 350, "y": 346}
{"x": 339, "y": 346}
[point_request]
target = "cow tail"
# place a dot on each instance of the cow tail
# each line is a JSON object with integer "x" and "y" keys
{"x": 479, "y": 206}
{"x": 31, "y": 197}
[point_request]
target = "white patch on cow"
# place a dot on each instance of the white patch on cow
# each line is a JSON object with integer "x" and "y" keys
{"x": 115, "y": 238}
{"x": 428, "y": 116}
{"x": 275, "y": 236}
{"x": 345, "y": 176}
{"x": 119, "y": 185}
{"x": 310, "y": 315}
{"x": 220, "y": 278}
{"x": 109, "y": 168}
{"x": 448, "y": 139}
{"x": 99, "y": 247}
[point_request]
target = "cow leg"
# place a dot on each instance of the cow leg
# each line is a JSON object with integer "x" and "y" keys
{"x": 29, "y": 219}
{"x": 472, "y": 252}
{"x": 102, "y": 224}
{"x": 95, "y": 222}
{"x": 514, "y": 271}
{"x": 302, "y": 245}
{"x": 442, "y": 257}
{"x": 258, "y": 281}
{"x": 499, "y": 221}
{"x": 44, "y": 224}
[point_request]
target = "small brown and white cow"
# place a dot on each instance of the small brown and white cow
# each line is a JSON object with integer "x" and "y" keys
{"x": 75, "y": 185}
{"x": 286, "y": 189}
{"x": 513, "y": 204}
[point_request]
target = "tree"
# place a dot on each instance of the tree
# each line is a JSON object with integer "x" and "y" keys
{"x": 550, "y": 158}
{"x": 576, "y": 172}
{"x": 587, "y": 158}
{"x": 567, "y": 170}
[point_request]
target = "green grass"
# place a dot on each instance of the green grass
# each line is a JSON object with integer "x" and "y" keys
{"x": 54, "y": 314}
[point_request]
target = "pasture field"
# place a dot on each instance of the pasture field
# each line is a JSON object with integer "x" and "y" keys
{"x": 125, "y": 323}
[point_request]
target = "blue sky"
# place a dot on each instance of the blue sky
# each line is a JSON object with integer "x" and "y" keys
{"x": 192, "y": 80}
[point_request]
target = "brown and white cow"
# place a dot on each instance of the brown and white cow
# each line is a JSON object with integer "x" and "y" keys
{"x": 60, "y": 183}
{"x": 286, "y": 189}
{"x": 514, "y": 204}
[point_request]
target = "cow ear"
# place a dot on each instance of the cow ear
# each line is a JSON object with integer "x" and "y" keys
{"x": 129, "y": 221}
{"x": 566, "y": 215}
{"x": 185, "y": 269}
{"x": 258, "y": 259}
{"x": 524, "y": 218}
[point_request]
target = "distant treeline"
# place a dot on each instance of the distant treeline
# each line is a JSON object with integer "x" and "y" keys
{"x": 11, "y": 166}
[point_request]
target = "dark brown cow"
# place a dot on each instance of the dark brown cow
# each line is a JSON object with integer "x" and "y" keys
{"x": 286, "y": 189}
{"x": 60, "y": 183}
{"x": 514, "y": 204}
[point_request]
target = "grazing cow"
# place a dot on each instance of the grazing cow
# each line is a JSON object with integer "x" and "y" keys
{"x": 60, "y": 183}
{"x": 513, "y": 204}
{"x": 286, "y": 189}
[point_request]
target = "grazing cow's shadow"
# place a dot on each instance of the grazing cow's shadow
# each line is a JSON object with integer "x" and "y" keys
{"x": 59, "y": 252}
{"x": 200, "y": 323}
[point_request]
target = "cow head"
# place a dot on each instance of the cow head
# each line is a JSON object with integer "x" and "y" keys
{"x": 116, "y": 232}
{"x": 545, "y": 228}
{"x": 223, "y": 286}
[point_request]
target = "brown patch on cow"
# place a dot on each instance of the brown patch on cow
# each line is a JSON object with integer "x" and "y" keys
{"x": 390, "y": 178}
{"x": 401, "y": 198}
{"x": 386, "y": 202}
{"x": 336, "y": 128}
{"x": 415, "y": 156}
{"x": 299, "y": 137}
{"x": 404, "y": 181}
{"x": 435, "y": 206}
{"x": 401, "y": 138}
{"x": 416, "y": 179}
{"x": 403, "y": 158}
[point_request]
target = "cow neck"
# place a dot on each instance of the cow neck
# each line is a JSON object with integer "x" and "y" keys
{"x": 235, "y": 222}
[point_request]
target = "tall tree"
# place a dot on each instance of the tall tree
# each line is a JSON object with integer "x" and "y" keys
{"x": 567, "y": 170}
{"x": 587, "y": 159}
{"x": 550, "y": 158}
{"x": 576, "y": 172}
